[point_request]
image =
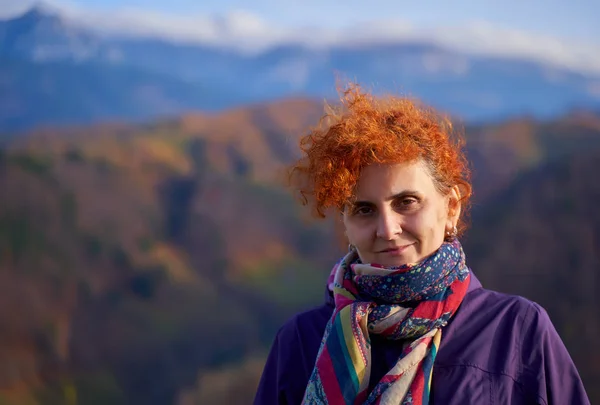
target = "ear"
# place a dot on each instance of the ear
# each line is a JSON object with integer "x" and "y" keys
{"x": 454, "y": 206}
{"x": 340, "y": 233}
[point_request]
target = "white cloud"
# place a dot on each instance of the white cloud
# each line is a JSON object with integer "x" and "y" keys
{"x": 13, "y": 8}
{"x": 248, "y": 32}
{"x": 10, "y": 8}
{"x": 485, "y": 38}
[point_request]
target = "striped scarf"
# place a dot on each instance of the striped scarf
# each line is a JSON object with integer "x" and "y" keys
{"x": 368, "y": 299}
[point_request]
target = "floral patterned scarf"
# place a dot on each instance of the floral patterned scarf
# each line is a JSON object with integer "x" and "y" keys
{"x": 409, "y": 303}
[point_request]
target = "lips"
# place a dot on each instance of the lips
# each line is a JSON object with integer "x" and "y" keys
{"x": 395, "y": 250}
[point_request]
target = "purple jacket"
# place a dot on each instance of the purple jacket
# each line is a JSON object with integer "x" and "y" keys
{"x": 498, "y": 349}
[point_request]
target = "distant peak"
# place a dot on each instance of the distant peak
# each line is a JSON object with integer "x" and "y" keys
{"x": 40, "y": 11}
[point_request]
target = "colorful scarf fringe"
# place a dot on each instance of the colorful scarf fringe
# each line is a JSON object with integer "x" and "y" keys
{"x": 368, "y": 299}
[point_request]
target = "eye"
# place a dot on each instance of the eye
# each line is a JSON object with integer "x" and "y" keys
{"x": 362, "y": 211}
{"x": 407, "y": 203}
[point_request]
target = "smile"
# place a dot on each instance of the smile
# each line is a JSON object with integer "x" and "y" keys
{"x": 396, "y": 250}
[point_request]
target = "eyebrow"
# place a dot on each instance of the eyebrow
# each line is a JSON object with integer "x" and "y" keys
{"x": 401, "y": 194}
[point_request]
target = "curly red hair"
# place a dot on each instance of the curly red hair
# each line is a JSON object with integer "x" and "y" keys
{"x": 366, "y": 130}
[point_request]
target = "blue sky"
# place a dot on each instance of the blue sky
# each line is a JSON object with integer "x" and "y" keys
{"x": 560, "y": 32}
{"x": 572, "y": 20}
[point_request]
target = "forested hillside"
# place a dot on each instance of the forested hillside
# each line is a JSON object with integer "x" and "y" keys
{"x": 152, "y": 264}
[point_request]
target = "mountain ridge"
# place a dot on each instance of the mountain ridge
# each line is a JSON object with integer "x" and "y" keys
{"x": 87, "y": 77}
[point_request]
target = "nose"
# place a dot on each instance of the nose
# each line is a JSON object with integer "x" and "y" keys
{"x": 388, "y": 225}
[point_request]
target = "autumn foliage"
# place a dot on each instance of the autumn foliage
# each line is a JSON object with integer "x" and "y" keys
{"x": 153, "y": 264}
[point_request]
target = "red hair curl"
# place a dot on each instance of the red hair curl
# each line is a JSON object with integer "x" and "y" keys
{"x": 366, "y": 130}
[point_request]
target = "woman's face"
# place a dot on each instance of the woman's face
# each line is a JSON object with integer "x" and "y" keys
{"x": 398, "y": 216}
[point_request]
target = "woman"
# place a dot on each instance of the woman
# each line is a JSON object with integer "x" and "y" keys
{"x": 405, "y": 320}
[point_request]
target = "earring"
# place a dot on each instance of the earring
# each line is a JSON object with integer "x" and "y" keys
{"x": 350, "y": 247}
{"x": 452, "y": 234}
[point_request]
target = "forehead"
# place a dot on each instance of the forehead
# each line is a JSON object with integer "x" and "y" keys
{"x": 382, "y": 181}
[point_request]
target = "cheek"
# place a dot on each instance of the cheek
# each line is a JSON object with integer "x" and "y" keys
{"x": 358, "y": 234}
{"x": 426, "y": 224}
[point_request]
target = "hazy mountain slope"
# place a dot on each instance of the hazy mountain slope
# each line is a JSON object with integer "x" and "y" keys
{"x": 137, "y": 255}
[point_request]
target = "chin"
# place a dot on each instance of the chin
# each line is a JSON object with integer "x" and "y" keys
{"x": 393, "y": 261}
{"x": 397, "y": 263}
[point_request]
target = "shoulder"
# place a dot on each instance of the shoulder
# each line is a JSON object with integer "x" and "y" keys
{"x": 526, "y": 322}
{"x": 492, "y": 330}
{"x": 530, "y": 316}
{"x": 547, "y": 367}
{"x": 513, "y": 303}
{"x": 292, "y": 356}
{"x": 306, "y": 325}
{"x": 513, "y": 337}
{"x": 509, "y": 313}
